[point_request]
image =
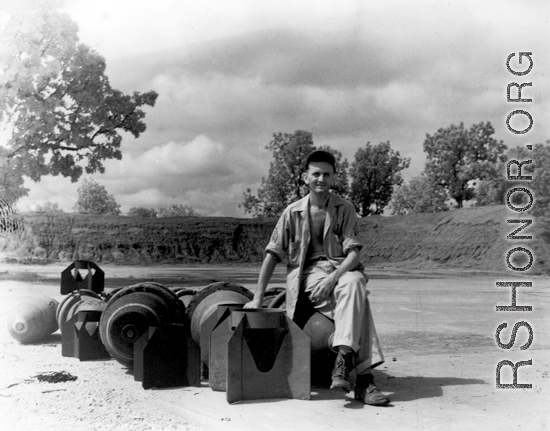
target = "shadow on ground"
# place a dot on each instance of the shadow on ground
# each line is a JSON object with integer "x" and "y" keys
{"x": 399, "y": 389}
{"x": 412, "y": 388}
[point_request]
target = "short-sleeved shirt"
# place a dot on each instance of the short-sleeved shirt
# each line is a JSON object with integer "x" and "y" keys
{"x": 291, "y": 236}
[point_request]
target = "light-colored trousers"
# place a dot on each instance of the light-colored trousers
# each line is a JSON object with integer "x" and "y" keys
{"x": 349, "y": 308}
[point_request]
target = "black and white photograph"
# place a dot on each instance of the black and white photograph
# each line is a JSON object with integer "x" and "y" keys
{"x": 274, "y": 215}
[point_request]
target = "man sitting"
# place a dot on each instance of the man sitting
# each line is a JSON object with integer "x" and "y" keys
{"x": 318, "y": 236}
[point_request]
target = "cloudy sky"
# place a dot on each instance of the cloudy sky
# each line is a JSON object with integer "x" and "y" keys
{"x": 229, "y": 74}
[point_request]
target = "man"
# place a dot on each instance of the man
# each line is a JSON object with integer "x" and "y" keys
{"x": 317, "y": 235}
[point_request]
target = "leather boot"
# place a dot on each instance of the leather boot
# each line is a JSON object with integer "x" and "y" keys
{"x": 367, "y": 392}
{"x": 340, "y": 374}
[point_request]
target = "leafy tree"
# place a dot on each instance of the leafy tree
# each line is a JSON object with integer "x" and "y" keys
{"x": 457, "y": 157}
{"x": 541, "y": 179}
{"x": 142, "y": 212}
{"x": 284, "y": 183}
{"x": 94, "y": 199}
{"x": 488, "y": 192}
{"x": 63, "y": 116}
{"x": 374, "y": 173}
{"x": 492, "y": 191}
{"x": 177, "y": 211}
{"x": 11, "y": 178}
{"x": 419, "y": 196}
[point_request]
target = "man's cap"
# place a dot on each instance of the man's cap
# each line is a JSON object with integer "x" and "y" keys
{"x": 321, "y": 156}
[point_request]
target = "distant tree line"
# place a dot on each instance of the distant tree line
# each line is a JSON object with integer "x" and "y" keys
{"x": 461, "y": 165}
{"x": 94, "y": 199}
{"x": 175, "y": 210}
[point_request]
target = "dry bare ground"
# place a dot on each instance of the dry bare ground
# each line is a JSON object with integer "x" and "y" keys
{"x": 437, "y": 330}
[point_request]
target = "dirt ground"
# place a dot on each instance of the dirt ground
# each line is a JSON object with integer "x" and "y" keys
{"x": 437, "y": 329}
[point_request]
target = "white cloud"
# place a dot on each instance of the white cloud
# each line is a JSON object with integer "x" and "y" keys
{"x": 50, "y": 189}
{"x": 195, "y": 157}
{"x": 201, "y": 173}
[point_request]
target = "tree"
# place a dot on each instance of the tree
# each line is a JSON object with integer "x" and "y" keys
{"x": 457, "y": 157}
{"x": 94, "y": 199}
{"x": 493, "y": 190}
{"x": 177, "y": 211}
{"x": 284, "y": 183}
{"x": 374, "y": 173}
{"x": 142, "y": 212}
{"x": 11, "y": 178}
{"x": 63, "y": 116}
{"x": 419, "y": 196}
{"x": 541, "y": 179}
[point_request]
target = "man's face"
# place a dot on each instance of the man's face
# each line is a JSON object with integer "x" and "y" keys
{"x": 319, "y": 177}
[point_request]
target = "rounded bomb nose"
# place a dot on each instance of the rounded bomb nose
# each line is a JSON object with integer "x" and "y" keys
{"x": 33, "y": 320}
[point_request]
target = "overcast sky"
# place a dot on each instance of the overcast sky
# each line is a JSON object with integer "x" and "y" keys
{"x": 229, "y": 74}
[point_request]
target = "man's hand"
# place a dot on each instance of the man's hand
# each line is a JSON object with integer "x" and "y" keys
{"x": 323, "y": 290}
{"x": 255, "y": 303}
{"x": 268, "y": 266}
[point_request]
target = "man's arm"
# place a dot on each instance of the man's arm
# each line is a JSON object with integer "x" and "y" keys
{"x": 268, "y": 266}
{"x": 350, "y": 262}
{"x": 325, "y": 287}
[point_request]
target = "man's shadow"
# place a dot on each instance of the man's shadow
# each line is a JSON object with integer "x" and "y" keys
{"x": 400, "y": 389}
{"x": 411, "y": 388}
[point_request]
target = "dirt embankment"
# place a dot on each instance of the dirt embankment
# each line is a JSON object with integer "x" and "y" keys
{"x": 467, "y": 238}
{"x": 134, "y": 240}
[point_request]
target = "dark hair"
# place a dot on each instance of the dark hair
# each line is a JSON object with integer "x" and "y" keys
{"x": 321, "y": 156}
